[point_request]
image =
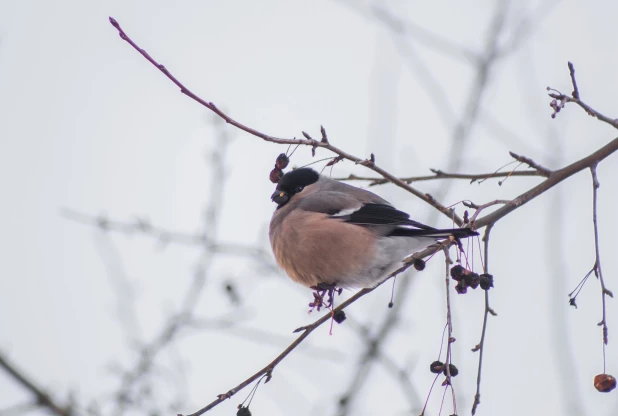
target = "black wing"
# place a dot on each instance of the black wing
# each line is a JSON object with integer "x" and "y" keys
{"x": 381, "y": 214}
{"x": 413, "y": 232}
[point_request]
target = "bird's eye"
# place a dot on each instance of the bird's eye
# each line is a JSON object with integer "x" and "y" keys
{"x": 299, "y": 189}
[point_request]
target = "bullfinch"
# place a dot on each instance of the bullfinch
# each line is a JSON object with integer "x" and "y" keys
{"x": 331, "y": 233}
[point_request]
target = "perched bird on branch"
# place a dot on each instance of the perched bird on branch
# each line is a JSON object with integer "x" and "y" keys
{"x": 326, "y": 232}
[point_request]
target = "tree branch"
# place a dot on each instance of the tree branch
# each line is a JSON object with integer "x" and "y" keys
{"x": 480, "y": 347}
{"x": 449, "y": 328}
{"x": 597, "y": 264}
{"x": 42, "y": 399}
{"x": 543, "y": 171}
{"x": 574, "y": 98}
{"x": 438, "y": 174}
{"x": 557, "y": 177}
{"x": 450, "y": 213}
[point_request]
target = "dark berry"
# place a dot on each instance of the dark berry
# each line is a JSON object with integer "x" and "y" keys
{"x": 461, "y": 287}
{"x": 436, "y": 367}
{"x": 275, "y": 175}
{"x": 339, "y": 316}
{"x": 472, "y": 279}
{"x": 457, "y": 272}
{"x": 604, "y": 383}
{"x": 419, "y": 264}
{"x": 487, "y": 281}
{"x": 243, "y": 411}
{"x": 452, "y": 369}
{"x": 282, "y": 161}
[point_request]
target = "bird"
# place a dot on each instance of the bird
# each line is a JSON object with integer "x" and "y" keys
{"x": 326, "y": 232}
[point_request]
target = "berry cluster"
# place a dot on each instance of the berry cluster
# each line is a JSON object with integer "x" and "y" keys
{"x": 466, "y": 278}
{"x": 438, "y": 367}
{"x": 281, "y": 163}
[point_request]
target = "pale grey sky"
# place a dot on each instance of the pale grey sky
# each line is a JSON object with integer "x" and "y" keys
{"x": 87, "y": 124}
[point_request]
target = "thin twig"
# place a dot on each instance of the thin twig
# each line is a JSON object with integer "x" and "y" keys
{"x": 305, "y": 142}
{"x": 575, "y": 93}
{"x": 480, "y": 347}
{"x": 597, "y": 265}
{"x": 542, "y": 170}
{"x": 480, "y": 208}
{"x": 42, "y": 399}
{"x": 438, "y": 174}
{"x": 575, "y": 98}
{"x": 449, "y": 327}
{"x": 557, "y": 177}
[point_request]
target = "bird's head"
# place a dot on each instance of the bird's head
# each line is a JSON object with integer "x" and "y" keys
{"x": 293, "y": 183}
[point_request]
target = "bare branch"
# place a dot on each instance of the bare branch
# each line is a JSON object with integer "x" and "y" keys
{"x": 305, "y": 142}
{"x": 540, "y": 169}
{"x": 480, "y": 347}
{"x": 575, "y": 93}
{"x": 589, "y": 110}
{"x": 480, "y": 208}
{"x": 597, "y": 265}
{"x": 574, "y": 98}
{"x": 557, "y": 177}
{"x": 438, "y": 174}
{"x": 42, "y": 399}
{"x": 449, "y": 328}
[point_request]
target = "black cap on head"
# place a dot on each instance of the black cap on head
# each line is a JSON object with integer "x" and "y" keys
{"x": 292, "y": 183}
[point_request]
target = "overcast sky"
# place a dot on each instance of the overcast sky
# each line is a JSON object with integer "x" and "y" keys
{"x": 87, "y": 124}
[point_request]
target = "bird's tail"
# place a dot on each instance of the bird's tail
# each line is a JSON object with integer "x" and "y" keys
{"x": 415, "y": 232}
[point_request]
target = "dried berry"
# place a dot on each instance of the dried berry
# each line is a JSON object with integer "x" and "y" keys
{"x": 339, "y": 316}
{"x": 436, "y": 367}
{"x": 275, "y": 175}
{"x": 457, "y": 272}
{"x": 461, "y": 287}
{"x": 243, "y": 411}
{"x": 452, "y": 369}
{"x": 282, "y": 161}
{"x": 487, "y": 281}
{"x": 419, "y": 264}
{"x": 472, "y": 279}
{"x": 604, "y": 383}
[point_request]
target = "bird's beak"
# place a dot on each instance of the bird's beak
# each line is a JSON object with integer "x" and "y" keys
{"x": 280, "y": 197}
